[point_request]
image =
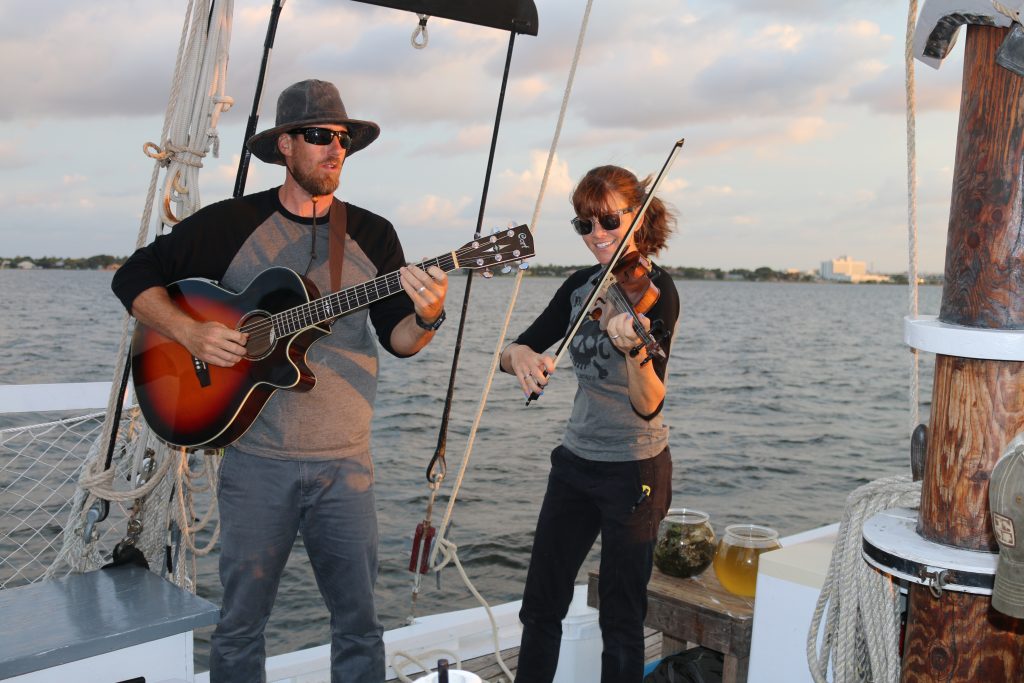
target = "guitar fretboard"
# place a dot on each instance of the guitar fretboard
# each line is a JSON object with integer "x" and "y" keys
{"x": 341, "y": 302}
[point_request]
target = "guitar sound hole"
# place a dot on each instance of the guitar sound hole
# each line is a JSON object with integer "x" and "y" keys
{"x": 261, "y": 335}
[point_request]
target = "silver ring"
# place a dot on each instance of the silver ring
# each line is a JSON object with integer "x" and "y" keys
{"x": 614, "y": 336}
{"x": 421, "y": 289}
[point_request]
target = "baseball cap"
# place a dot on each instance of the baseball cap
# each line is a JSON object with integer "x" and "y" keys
{"x": 1006, "y": 501}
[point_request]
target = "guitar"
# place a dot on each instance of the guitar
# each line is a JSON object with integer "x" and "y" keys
{"x": 187, "y": 402}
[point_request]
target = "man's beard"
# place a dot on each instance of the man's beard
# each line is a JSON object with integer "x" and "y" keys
{"x": 316, "y": 184}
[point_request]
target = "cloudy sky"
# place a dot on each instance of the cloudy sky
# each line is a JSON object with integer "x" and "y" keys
{"x": 792, "y": 111}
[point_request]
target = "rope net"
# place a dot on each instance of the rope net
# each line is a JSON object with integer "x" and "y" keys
{"x": 40, "y": 466}
{"x": 54, "y": 483}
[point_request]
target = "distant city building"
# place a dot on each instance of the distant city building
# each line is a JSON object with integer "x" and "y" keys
{"x": 26, "y": 265}
{"x": 845, "y": 269}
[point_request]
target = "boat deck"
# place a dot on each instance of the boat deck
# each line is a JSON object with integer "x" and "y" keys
{"x": 487, "y": 668}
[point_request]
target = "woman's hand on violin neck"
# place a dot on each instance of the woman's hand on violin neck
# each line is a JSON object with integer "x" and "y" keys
{"x": 621, "y": 333}
{"x": 530, "y": 368}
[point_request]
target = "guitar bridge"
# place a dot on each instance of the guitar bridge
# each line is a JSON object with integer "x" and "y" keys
{"x": 202, "y": 371}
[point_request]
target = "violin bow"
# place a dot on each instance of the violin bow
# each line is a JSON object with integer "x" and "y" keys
{"x": 606, "y": 275}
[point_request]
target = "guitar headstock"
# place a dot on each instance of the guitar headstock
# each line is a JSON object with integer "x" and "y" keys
{"x": 502, "y": 248}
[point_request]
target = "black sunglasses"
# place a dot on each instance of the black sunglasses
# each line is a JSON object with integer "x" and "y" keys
{"x": 609, "y": 221}
{"x": 323, "y": 136}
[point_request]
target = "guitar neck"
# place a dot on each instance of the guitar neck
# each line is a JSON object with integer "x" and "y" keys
{"x": 341, "y": 302}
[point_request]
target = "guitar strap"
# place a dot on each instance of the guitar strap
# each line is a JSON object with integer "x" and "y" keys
{"x": 338, "y": 228}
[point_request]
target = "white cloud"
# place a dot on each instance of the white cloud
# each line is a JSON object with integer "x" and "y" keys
{"x": 431, "y": 212}
{"x": 11, "y": 155}
{"x": 806, "y": 128}
{"x": 781, "y": 37}
{"x": 785, "y": 105}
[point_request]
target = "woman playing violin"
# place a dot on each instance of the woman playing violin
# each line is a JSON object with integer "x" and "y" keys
{"x": 612, "y": 473}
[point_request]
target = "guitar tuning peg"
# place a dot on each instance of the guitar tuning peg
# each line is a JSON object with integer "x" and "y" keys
{"x": 523, "y": 265}
{"x": 486, "y": 273}
{"x": 506, "y": 269}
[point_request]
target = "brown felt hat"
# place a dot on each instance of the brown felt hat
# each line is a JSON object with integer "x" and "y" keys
{"x": 308, "y": 103}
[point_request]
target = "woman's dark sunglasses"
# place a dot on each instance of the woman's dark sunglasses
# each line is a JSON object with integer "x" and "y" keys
{"x": 323, "y": 136}
{"x": 609, "y": 221}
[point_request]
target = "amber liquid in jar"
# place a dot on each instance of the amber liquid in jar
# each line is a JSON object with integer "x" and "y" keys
{"x": 737, "y": 556}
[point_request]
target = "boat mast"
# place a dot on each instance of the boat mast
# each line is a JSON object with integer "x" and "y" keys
{"x": 977, "y": 403}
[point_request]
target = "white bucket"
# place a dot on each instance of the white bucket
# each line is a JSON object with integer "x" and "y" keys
{"x": 454, "y": 676}
{"x": 579, "y": 658}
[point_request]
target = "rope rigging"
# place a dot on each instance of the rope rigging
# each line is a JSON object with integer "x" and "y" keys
{"x": 444, "y": 551}
{"x": 196, "y": 100}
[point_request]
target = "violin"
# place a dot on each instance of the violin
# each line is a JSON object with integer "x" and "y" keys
{"x": 632, "y": 292}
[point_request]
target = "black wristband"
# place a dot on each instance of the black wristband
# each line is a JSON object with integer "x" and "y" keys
{"x": 431, "y": 326}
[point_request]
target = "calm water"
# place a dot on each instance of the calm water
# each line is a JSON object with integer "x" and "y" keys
{"x": 782, "y": 399}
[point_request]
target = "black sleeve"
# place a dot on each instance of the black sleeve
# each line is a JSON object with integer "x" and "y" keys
{"x": 202, "y": 245}
{"x": 379, "y": 241}
{"x": 553, "y": 323}
{"x": 664, "y": 314}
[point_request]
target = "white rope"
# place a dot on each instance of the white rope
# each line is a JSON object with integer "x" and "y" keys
{"x": 442, "y": 546}
{"x": 860, "y": 641}
{"x": 496, "y": 355}
{"x": 200, "y": 79}
{"x": 912, "y": 272}
{"x": 420, "y": 663}
{"x": 863, "y": 604}
{"x": 1014, "y": 14}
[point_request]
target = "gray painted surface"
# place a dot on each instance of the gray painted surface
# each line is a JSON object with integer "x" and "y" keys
{"x": 83, "y": 615}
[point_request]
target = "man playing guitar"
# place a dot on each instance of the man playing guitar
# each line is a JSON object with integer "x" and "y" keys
{"x": 304, "y": 464}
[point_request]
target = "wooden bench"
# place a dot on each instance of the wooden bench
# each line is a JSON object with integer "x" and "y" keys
{"x": 698, "y": 611}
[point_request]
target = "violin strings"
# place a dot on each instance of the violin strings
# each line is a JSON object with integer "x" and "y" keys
{"x": 620, "y": 300}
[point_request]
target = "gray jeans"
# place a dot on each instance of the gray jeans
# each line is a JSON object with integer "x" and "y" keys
{"x": 263, "y": 504}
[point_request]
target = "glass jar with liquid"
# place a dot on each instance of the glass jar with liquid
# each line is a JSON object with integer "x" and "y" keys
{"x": 686, "y": 543}
{"x": 737, "y": 556}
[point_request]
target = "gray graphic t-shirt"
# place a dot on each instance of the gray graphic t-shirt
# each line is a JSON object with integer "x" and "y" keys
{"x": 604, "y": 425}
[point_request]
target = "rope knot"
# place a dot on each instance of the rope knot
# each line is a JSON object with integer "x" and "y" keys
{"x": 186, "y": 156}
{"x": 154, "y": 151}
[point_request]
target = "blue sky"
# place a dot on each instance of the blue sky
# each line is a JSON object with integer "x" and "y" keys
{"x": 792, "y": 111}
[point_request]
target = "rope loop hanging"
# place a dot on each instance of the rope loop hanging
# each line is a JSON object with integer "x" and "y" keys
{"x": 420, "y": 37}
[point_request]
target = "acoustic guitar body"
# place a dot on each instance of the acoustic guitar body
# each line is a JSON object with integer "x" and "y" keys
{"x": 189, "y": 403}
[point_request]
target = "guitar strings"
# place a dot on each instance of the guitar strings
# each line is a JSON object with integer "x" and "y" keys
{"x": 264, "y": 327}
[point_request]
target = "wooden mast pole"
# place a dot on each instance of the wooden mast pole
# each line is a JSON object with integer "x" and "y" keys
{"x": 977, "y": 405}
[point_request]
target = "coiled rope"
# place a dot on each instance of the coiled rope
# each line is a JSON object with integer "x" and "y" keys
{"x": 861, "y": 635}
